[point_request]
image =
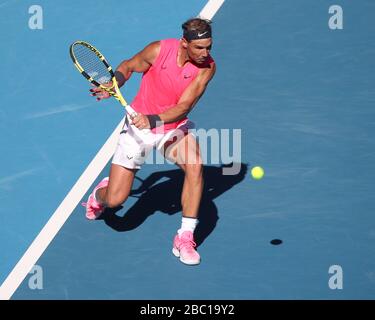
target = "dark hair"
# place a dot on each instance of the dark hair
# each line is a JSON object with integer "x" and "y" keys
{"x": 196, "y": 25}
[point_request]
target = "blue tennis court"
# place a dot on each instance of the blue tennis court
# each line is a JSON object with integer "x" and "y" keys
{"x": 292, "y": 92}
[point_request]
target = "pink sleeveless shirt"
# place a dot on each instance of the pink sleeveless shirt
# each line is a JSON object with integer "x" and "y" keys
{"x": 164, "y": 82}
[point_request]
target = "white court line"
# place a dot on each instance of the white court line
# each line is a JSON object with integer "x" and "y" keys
{"x": 210, "y": 9}
{"x": 65, "y": 209}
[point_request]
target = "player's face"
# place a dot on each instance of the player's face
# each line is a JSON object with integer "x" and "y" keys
{"x": 198, "y": 50}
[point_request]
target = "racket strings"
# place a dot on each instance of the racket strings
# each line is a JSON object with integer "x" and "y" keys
{"x": 91, "y": 64}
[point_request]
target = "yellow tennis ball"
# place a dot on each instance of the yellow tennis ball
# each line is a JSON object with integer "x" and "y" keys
{"x": 257, "y": 173}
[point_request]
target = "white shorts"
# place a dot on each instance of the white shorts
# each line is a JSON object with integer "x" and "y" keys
{"x": 134, "y": 145}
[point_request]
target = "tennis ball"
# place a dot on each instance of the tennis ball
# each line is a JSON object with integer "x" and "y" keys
{"x": 257, "y": 173}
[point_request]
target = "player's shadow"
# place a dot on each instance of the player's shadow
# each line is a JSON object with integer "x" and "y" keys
{"x": 165, "y": 196}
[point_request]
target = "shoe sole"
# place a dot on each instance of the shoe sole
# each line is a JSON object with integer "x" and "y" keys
{"x": 189, "y": 263}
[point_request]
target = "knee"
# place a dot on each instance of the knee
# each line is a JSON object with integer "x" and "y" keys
{"x": 194, "y": 171}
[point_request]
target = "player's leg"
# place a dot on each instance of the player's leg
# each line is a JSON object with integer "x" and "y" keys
{"x": 189, "y": 159}
{"x": 184, "y": 151}
{"x": 119, "y": 186}
{"x": 110, "y": 192}
{"x": 113, "y": 191}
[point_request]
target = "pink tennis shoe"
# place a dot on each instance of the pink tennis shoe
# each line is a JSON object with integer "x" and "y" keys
{"x": 93, "y": 208}
{"x": 184, "y": 248}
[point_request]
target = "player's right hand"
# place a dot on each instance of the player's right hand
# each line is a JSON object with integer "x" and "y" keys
{"x": 99, "y": 93}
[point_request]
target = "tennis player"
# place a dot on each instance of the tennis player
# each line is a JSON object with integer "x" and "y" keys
{"x": 176, "y": 73}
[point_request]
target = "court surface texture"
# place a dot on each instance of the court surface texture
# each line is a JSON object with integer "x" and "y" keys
{"x": 295, "y": 94}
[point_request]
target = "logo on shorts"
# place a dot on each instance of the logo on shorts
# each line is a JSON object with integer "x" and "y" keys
{"x": 129, "y": 157}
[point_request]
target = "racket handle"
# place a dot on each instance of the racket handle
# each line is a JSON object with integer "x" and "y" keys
{"x": 131, "y": 112}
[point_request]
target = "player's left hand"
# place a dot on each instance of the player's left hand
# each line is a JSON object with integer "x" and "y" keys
{"x": 141, "y": 121}
{"x": 99, "y": 93}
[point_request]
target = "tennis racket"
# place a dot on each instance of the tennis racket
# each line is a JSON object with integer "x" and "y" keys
{"x": 96, "y": 69}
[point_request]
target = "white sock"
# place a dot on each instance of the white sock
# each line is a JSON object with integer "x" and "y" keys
{"x": 188, "y": 224}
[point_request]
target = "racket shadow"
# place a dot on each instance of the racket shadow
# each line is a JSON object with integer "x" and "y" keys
{"x": 165, "y": 196}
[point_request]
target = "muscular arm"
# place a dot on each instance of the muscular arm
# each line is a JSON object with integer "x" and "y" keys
{"x": 141, "y": 62}
{"x": 190, "y": 96}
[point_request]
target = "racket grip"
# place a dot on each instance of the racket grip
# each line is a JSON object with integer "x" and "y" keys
{"x": 131, "y": 112}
